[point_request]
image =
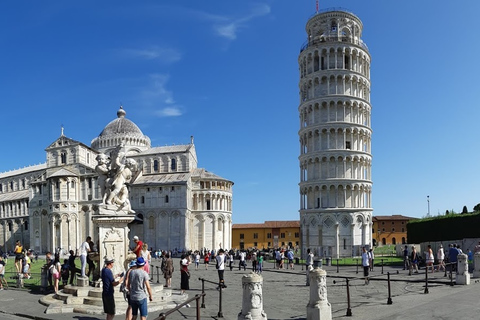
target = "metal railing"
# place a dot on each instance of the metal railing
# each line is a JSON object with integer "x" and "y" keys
{"x": 164, "y": 315}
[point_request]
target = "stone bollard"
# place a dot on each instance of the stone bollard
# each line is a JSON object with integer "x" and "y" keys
{"x": 476, "y": 263}
{"x": 463, "y": 277}
{"x": 44, "y": 279}
{"x": 318, "y": 308}
{"x": 252, "y": 300}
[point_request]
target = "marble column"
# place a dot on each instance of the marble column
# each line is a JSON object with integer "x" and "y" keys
{"x": 476, "y": 260}
{"x": 318, "y": 307}
{"x": 252, "y": 299}
{"x": 463, "y": 277}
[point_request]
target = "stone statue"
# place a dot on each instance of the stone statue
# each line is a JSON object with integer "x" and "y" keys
{"x": 114, "y": 178}
{"x": 103, "y": 170}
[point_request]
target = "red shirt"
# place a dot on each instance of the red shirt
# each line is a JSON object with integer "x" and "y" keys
{"x": 139, "y": 250}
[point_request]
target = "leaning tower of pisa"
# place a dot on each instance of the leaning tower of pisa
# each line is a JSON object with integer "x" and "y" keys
{"x": 335, "y": 136}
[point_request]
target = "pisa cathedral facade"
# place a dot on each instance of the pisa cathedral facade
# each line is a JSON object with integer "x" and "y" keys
{"x": 177, "y": 205}
{"x": 335, "y": 136}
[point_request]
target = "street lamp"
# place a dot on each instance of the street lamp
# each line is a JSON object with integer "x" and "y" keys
{"x": 428, "y": 205}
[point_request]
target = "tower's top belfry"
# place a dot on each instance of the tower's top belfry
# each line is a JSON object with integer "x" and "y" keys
{"x": 339, "y": 26}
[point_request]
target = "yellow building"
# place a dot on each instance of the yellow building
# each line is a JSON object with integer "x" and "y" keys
{"x": 390, "y": 229}
{"x": 270, "y": 234}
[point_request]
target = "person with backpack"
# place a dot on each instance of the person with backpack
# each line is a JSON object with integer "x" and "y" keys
{"x": 220, "y": 265}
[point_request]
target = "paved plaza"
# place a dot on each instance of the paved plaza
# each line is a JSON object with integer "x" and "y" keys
{"x": 286, "y": 296}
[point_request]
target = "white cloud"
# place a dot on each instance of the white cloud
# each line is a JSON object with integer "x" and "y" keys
{"x": 165, "y": 55}
{"x": 157, "y": 96}
{"x": 173, "y": 111}
{"x": 228, "y": 27}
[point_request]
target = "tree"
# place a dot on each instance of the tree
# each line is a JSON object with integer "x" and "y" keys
{"x": 447, "y": 213}
{"x": 464, "y": 210}
{"x": 477, "y": 207}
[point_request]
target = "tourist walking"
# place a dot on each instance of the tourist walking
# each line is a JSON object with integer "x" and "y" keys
{"x": 206, "y": 260}
{"x": 308, "y": 265}
{"x": 290, "y": 258}
{"x": 441, "y": 258}
{"x": 220, "y": 265}
{"x": 108, "y": 281}
{"x": 371, "y": 257}
{"x": 414, "y": 260}
{"x": 197, "y": 260}
{"x": 168, "y": 270}
{"x": 184, "y": 274}
{"x": 231, "y": 257}
{"x": 429, "y": 257}
{"x": 139, "y": 285}
{"x": 365, "y": 264}
{"x": 126, "y": 294}
{"x": 254, "y": 261}
{"x": 147, "y": 257}
{"x": 260, "y": 263}
{"x": 242, "y": 262}
{"x": 138, "y": 246}
{"x": 405, "y": 259}
{"x": 84, "y": 250}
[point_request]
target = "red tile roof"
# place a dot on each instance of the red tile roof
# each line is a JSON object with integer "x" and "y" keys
{"x": 397, "y": 217}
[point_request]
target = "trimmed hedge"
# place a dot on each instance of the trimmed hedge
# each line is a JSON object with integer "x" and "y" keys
{"x": 441, "y": 228}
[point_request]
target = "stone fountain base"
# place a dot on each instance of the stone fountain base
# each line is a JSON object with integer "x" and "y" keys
{"x": 88, "y": 300}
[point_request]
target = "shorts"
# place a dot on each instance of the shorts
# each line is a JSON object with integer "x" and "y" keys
{"x": 365, "y": 271}
{"x": 108, "y": 304}
{"x": 139, "y": 305}
{"x": 56, "y": 275}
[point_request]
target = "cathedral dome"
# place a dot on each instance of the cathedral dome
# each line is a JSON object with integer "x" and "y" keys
{"x": 121, "y": 130}
{"x": 121, "y": 125}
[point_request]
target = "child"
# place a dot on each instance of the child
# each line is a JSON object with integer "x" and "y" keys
{"x": 26, "y": 266}
{"x": 65, "y": 272}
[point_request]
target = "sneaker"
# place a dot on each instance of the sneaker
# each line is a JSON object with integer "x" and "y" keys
{"x": 1, "y": 288}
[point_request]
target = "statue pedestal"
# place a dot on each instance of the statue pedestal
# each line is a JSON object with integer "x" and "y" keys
{"x": 113, "y": 236}
{"x": 82, "y": 281}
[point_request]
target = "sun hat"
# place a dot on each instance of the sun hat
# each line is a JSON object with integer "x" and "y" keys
{"x": 140, "y": 261}
{"x": 133, "y": 263}
{"x": 109, "y": 260}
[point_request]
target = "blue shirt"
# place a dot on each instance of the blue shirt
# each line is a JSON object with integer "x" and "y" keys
{"x": 107, "y": 279}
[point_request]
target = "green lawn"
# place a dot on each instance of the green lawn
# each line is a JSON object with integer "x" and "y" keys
{"x": 34, "y": 282}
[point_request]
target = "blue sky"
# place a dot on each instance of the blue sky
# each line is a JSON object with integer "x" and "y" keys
{"x": 226, "y": 72}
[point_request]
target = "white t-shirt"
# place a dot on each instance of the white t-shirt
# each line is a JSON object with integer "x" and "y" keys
{"x": 84, "y": 248}
{"x": 220, "y": 261}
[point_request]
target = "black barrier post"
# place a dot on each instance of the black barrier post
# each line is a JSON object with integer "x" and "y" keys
{"x": 357, "y": 264}
{"x": 382, "y": 265}
{"x": 349, "y": 310}
{"x": 220, "y": 289}
{"x": 426, "y": 280}
{"x": 445, "y": 267}
{"x": 203, "y": 291}
{"x": 337, "y": 265}
{"x": 198, "y": 306}
{"x": 158, "y": 275}
{"x": 389, "y": 300}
